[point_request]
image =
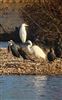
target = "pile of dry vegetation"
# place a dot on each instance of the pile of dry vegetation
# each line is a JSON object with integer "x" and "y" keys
{"x": 13, "y": 65}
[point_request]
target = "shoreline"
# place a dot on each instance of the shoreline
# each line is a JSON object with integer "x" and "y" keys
{"x": 10, "y": 65}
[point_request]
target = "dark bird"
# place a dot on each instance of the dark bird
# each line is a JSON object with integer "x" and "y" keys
{"x": 51, "y": 55}
{"x": 16, "y": 50}
{"x": 58, "y": 47}
{"x": 58, "y": 51}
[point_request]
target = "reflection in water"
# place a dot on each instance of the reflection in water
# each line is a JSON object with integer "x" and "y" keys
{"x": 39, "y": 84}
{"x": 30, "y": 88}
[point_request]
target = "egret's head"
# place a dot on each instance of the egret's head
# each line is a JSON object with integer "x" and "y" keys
{"x": 24, "y": 25}
{"x": 29, "y": 43}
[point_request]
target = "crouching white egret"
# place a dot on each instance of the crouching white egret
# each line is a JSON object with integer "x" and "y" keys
{"x": 36, "y": 50}
{"x": 23, "y": 33}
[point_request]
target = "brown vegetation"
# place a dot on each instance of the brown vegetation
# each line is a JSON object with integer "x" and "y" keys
{"x": 45, "y": 20}
{"x": 13, "y": 65}
{"x": 43, "y": 16}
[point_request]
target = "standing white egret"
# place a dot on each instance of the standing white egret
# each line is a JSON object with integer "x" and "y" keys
{"x": 36, "y": 50}
{"x": 23, "y": 33}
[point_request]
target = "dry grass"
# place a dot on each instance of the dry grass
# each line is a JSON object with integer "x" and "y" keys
{"x": 13, "y": 65}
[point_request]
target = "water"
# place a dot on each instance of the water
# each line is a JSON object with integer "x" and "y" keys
{"x": 30, "y": 88}
{"x": 3, "y": 44}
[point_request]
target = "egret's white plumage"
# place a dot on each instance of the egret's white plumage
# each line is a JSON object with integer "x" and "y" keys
{"x": 36, "y": 50}
{"x": 23, "y": 33}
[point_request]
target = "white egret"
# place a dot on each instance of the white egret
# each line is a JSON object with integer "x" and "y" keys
{"x": 23, "y": 33}
{"x": 36, "y": 50}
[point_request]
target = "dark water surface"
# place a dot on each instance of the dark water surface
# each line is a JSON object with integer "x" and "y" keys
{"x": 30, "y": 88}
{"x": 3, "y": 44}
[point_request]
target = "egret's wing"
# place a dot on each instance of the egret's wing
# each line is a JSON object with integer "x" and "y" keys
{"x": 39, "y": 51}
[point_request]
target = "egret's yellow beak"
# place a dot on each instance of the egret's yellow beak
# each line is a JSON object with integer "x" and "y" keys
{"x": 26, "y": 25}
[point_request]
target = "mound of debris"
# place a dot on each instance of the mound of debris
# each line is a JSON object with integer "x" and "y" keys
{"x": 13, "y": 65}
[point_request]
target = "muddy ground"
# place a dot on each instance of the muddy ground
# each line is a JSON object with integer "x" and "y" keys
{"x": 13, "y": 65}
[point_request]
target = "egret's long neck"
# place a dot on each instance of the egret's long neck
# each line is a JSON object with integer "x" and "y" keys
{"x": 30, "y": 48}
